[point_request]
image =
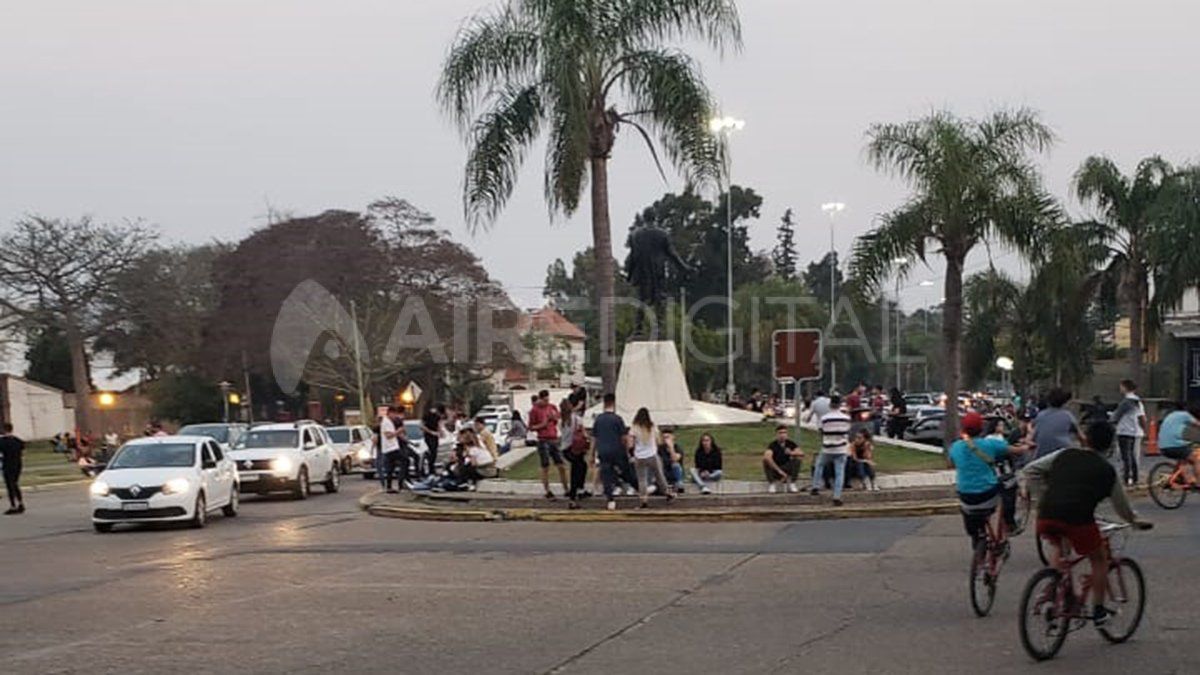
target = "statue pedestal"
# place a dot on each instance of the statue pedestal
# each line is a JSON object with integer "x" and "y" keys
{"x": 651, "y": 376}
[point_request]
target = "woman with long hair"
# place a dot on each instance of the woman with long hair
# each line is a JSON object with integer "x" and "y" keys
{"x": 706, "y": 467}
{"x": 646, "y": 438}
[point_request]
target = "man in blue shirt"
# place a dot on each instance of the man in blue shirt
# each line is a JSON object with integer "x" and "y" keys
{"x": 979, "y": 491}
{"x": 610, "y": 436}
{"x": 1173, "y": 440}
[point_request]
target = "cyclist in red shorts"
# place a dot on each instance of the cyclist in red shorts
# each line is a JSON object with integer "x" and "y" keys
{"x": 1075, "y": 481}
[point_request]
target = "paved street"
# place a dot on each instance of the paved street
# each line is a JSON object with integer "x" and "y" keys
{"x": 317, "y": 586}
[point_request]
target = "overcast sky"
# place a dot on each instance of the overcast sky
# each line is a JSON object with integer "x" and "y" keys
{"x": 199, "y": 116}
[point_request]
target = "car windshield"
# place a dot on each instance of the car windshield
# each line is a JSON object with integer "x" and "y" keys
{"x": 276, "y": 438}
{"x": 147, "y": 455}
{"x": 217, "y": 432}
{"x": 339, "y": 435}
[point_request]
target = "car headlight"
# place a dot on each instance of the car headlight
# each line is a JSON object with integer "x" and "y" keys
{"x": 364, "y": 454}
{"x": 99, "y": 489}
{"x": 281, "y": 465}
{"x": 176, "y": 486}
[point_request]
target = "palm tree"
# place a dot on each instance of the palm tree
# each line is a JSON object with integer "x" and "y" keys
{"x": 1139, "y": 223}
{"x": 582, "y": 70}
{"x": 972, "y": 183}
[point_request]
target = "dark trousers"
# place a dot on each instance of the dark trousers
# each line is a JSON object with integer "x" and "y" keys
{"x": 12, "y": 480}
{"x": 431, "y": 449}
{"x": 395, "y": 463}
{"x": 1129, "y": 459}
{"x": 578, "y": 473}
{"x": 790, "y": 467}
{"x": 612, "y": 468}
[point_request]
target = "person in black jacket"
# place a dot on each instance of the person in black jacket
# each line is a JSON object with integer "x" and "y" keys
{"x": 706, "y": 467}
{"x": 12, "y": 450}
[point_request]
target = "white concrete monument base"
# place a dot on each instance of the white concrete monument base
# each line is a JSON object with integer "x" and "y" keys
{"x": 651, "y": 376}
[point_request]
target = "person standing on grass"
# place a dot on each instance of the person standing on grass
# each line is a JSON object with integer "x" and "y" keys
{"x": 1130, "y": 420}
{"x": 706, "y": 467}
{"x": 12, "y": 451}
{"x": 782, "y": 461}
{"x": 835, "y": 448}
{"x": 645, "y": 457}
{"x": 543, "y": 420}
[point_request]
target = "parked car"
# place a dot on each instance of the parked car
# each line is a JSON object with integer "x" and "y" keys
{"x": 350, "y": 444}
{"x": 225, "y": 433}
{"x": 164, "y": 478}
{"x": 927, "y": 429}
{"x": 416, "y": 442}
{"x": 286, "y": 458}
{"x": 494, "y": 411}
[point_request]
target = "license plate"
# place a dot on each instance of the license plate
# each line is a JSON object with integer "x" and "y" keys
{"x": 249, "y": 478}
{"x": 135, "y": 506}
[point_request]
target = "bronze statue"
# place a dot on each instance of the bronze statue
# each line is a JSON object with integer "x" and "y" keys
{"x": 650, "y": 248}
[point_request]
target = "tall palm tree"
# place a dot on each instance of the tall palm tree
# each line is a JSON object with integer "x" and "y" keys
{"x": 973, "y": 182}
{"x": 1139, "y": 225}
{"x": 582, "y": 70}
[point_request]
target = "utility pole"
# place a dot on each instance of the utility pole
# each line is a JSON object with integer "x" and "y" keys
{"x": 362, "y": 395}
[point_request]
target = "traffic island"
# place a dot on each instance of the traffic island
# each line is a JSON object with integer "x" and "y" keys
{"x": 477, "y": 507}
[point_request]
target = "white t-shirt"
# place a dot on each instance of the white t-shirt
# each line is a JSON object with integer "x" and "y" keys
{"x": 480, "y": 456}
{"x": 1128, "y": 424}
{"x": 387, "y": 427}
{"x": 835, "y": 433}
{"x": 645, "y": 445}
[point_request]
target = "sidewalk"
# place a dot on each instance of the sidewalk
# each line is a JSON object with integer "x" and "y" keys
{"x": 912, "y": 479}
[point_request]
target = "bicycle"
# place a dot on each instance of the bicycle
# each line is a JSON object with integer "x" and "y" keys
{"x": 1051, "y": 607}
{"x": 987, "y": 559}
{"x": 1169, "y": 483}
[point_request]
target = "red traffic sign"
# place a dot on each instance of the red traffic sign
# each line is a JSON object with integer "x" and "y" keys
{"x": 796, "y": 355}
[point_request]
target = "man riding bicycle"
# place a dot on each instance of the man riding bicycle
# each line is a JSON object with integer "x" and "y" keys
{"x": 1173, "y": 440}
{"x": 979, "y": 487}
{"x": 1075, "y": 481}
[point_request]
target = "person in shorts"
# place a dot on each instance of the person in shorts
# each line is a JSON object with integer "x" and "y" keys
{"x": 543, "y": 421}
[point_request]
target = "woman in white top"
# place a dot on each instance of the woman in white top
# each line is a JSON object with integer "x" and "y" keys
{"x": 645, "y": 456}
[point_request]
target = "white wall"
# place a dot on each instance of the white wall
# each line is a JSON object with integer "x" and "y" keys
{"x": 36, "y": 412}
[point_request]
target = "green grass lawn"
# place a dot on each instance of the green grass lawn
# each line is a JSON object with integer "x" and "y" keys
{"x": 43, "y": 466}
{"x": 742, "y": 447}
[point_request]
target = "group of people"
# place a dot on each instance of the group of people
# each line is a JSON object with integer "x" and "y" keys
{"x": 884, "y": 410}
{"x": 843, "y": 455}
{"x": 403, "y": 462}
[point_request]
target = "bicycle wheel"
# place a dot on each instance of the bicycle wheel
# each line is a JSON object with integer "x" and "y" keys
{"x": 1024, "y": 508}
{"x": 1043, "y": 623}
{"x": 1041, "y": 550}
{"x": 1162, "y": 491}
{"x": 983, "y": 585}
{"x": 1127, "y": 598}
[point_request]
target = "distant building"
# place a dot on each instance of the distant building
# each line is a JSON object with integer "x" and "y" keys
{"x": 554, "y": 353}
{"x": 1181, "y": 337}
{"x": 35, "y": 410}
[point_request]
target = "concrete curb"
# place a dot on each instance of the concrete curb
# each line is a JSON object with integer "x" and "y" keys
{"x": 659, "y": 515}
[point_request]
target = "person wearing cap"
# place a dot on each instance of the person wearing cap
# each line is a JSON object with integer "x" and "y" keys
{"x": 974, "y": 457}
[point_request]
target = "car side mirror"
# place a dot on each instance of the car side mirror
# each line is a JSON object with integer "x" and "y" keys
{"x": 208, "y": 464}
{"x": 310, "y": 445}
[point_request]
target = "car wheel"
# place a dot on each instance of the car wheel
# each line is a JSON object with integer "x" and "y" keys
{"x": 200, "y": 517}
{"x": 333, "y": 481}
{"x": 231, "y": 509}
{"x": 302, "y": 486}
{"x": 103, "y": 528}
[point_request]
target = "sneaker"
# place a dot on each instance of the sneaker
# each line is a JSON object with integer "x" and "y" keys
{"x": 11, "y": 512}
{"x": 573, "y": 506}
{"x": 644, "y": 505}
{"x": 629, "y": 492}
{"x": 670, "y": 496}
{"x": 408, "y": 484}
{"x": 550, "y": 496}
{"x": 771, "y": 488}
{"x": 653, "y": 490}
{"x": 1100, "y": 615}
{"x": 814, "y": 492}
{"x": 611, "y": 506}
{"x": 837, "y": 502}
{"x": 792, "y": 487}
{"x": 392, "y": 491}
{"x": 705, "y": 490}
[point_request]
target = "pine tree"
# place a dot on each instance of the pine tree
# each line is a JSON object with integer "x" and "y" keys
{"x": 784, "y": 255}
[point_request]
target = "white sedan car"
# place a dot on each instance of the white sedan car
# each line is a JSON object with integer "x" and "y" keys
{"x": 165, "y": 478}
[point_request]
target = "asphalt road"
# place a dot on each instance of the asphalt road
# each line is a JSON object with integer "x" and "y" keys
{"x": 317, "y": 586}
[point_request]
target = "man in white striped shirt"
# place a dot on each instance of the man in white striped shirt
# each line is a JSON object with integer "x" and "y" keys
{"x": 835, "y": 448}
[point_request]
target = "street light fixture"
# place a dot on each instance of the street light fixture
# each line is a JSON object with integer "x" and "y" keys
{"x": 725, "y": 126}
{"x": 1005, "y": 364}
{"x": 106, "y": 399}
{"x": 831, "y": 209}
{"x": 225, "y": 387}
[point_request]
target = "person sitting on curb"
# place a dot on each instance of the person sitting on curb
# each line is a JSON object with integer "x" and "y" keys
{"x": 706, "y": 467}
{"x": 672, "y": 459}
{"x": 863, "y": 450}
{"x": 782, "y": 461}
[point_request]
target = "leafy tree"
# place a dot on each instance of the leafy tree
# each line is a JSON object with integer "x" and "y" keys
{"x": 49, "y": 358}
{"x": 972, "y": 182}
{"x": 185, "y": 397}
{"x": 54, "y": 274}
{"x": 1149, "y": 226}
{"x": 582, "y": 71}
{"x": 816, "y": 277}
{"x": 784, "y": 255}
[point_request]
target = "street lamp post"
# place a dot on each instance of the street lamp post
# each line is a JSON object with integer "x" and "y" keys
{"x": 1005, "y": 364}
{"x": 225, "y": 386}
{"x": 725, "y": 126}
{"x": 831, "y": 209}
{"x": 926, "y": 284}
{"x": 898, "y": 261}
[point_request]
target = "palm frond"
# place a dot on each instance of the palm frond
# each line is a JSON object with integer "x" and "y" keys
{"x": 668, "y": 85}
{"x": 499, "y": 141}
{"x": 639, "y": 23}
{"x": 567, "y": 158}
{"x": 1098, "y": 181}
{"x": 492, "y": 50}
{"x": 902, "y": 235}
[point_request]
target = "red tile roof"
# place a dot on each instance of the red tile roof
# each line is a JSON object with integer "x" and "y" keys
{"x": 548, "y": 320}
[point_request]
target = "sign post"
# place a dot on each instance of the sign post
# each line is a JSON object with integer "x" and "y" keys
{"x": 797, "y": 355}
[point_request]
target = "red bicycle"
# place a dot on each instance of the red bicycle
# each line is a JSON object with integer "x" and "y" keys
{"x": 1053, "y": 605}
{"x": 1169, "y": 483}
